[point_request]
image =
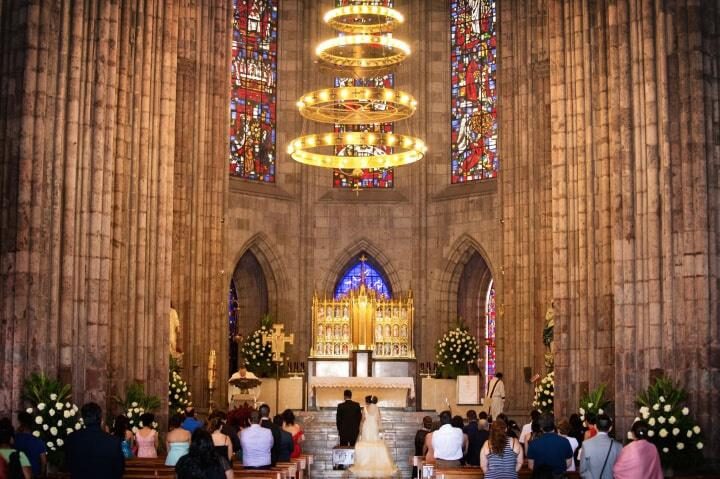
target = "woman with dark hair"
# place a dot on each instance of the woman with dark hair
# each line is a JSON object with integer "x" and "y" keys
{"x": 295, "y": 431}
{"x": 203, "y": 461}
{"x": 501, "y": 457}
{"x": 146, "y": 437}
{"x": 591, "y": 429}
{"x": 177, "y": 440}
{"x": 640, "y": 458}
{"x": 121, "y": 429}
{"x": 222, "y": 442}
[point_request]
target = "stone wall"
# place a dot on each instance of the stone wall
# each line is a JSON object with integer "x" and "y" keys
{"x": 89, "y": 107}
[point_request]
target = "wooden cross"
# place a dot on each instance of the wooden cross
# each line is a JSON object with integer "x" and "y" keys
{"x": 277, "y": 340}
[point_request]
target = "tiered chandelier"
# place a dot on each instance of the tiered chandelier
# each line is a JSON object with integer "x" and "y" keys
{"x": 364, "y": 48}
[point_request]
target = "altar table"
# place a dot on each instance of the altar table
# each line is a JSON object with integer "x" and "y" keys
{"x": 391, "y": 392}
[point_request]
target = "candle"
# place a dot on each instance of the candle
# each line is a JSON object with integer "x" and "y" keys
{"x": 212, "y": 369}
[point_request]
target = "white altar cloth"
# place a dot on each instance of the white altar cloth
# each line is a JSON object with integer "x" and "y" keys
{"x": 391, "y": 391}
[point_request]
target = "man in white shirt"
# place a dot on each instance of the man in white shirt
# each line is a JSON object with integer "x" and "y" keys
{"x": 526, "y": 432}
{"x": 447, "y": 443}
{"x": 496, "y": 395}
{"x": 257, "y": 442}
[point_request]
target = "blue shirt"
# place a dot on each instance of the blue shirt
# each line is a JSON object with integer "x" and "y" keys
{"x": 550, "y": 450}
{"x": 190, "y": 424}
{"x": 256, "y": 443}
{"x": 32, "y": 447}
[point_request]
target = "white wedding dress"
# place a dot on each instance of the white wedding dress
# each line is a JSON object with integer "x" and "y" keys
{"x": 372, "y": 457}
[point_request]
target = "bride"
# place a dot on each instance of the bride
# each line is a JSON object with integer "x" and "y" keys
{"x": 372, "y": 457}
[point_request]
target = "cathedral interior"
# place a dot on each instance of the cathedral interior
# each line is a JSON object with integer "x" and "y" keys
{"x": 571, "y": 174}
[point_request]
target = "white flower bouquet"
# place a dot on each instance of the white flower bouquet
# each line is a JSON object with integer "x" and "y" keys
{"x": 179, "y": 394}
{"x": 545, "y": 393}
{"x": 672, "y": 429}
{"x": 594, "y": 402}
{"x": 256, "y": 353}
{"x": 454, "y": 351}
{"x": 55, "y": 416}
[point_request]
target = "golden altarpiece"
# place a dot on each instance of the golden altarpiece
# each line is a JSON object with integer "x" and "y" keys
{"x": 362, "y": 321}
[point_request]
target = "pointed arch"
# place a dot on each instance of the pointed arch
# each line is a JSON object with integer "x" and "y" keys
{"x": 348, "y": 254}
{"x": 461, "y": 253}
{"x": 271, "y": 265}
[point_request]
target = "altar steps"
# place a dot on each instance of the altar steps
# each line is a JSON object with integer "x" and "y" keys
{"x": 399, "y": 428}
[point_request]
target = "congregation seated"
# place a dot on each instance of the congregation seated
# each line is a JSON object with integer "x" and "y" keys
{"x": 295, "y": 431}
{"x": 177, "y": 441}
{"x": 121, "y": 430}
{"x": 202, "y": 460}
{"x": 222, "y": 442}
{"x": 146, "y": 438}
{"x": 256, "y": 442}
{"x": 286, "y": 441}
{"x": 33, "y": 447}
{"x": 14, "y": 458}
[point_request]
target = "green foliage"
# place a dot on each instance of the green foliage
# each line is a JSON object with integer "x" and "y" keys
{"x": 38, "y": 387}
{"x": 672, "y": 429}
{"x": 594, "y": 402}
{"x": 135, "y": 397}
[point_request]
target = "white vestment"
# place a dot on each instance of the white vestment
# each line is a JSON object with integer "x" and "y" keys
{"x": 235, "y": 393}
{"x": 496, "y": 397}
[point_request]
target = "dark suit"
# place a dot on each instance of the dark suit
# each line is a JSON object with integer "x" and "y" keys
{"x": 348, "y": 419}
{"x": 275, "y": 451}
{"x": 476, "y": 439}
{"x": 92, "y": 453}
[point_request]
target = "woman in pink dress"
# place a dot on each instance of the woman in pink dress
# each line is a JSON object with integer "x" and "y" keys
{"x": 146, "y": 438}
{"x": 640, "y": 458}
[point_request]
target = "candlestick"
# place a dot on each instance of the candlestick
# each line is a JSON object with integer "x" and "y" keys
{"x": 212, "y": 369}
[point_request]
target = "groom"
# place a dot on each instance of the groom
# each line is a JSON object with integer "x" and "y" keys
{"x": 348, "y": 420}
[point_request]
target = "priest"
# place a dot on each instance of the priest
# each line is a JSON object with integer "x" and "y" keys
{"x": 237, "y": 390}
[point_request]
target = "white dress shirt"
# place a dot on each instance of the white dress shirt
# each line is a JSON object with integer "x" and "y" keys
{"x": 256, "y": 442}
{"x": 447, "y": 443}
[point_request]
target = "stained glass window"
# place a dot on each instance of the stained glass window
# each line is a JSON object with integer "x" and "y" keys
{"x": 253, "y": 95}
{"x": 361, "y": 271}
{"x": 490, "y": 333}
{"x": 232, "y": 324}
{"x": 375, "y": 177}
{"x": 473, "y": 97}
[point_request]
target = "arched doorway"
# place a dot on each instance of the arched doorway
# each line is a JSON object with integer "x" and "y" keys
{"x": 476, "y": 307}
{"x": 247, "y": 303}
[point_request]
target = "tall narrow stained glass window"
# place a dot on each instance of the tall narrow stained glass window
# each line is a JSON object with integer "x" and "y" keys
{"x": 362, "y": 272}
{"x": 473, "y": 95}
{"x": 253, "y": 95}
{"x": 375, "y": 177}
{"x": 490, "y": 333}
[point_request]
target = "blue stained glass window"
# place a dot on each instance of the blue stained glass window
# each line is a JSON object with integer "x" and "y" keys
{"x": 473, "y": 98}
{"x": 353, "y": 277}
{"x": 253, "y": 89}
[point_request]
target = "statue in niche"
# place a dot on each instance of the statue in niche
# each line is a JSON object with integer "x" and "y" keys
{"x": 548, "y": 336}
{"x": 345, "y": 331}
{"x": 403, "y": 331}
{"x": 378, "y": 331}
{"x": 174, "y": 333}
{"x": 395, "y": 331}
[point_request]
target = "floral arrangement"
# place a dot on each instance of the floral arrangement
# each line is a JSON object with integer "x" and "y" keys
{"x": 594, "y": 402}
{"x": 179, "y": 395}
{"x": 137, "y": 403}
{"x": 256, "y": 353}
{"x": 671, "y": 428}
{"x": 545, "y": 393}
{"x": 55, "y": 416}
{"x": 454, "y": 351}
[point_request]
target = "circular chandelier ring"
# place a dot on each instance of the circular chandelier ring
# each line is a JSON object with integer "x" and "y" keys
{"x": 411, "y": 150}
{"x": 377, "y": 19}
{"x": 394, "y": 51}
{"x": 357, "y": 105}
